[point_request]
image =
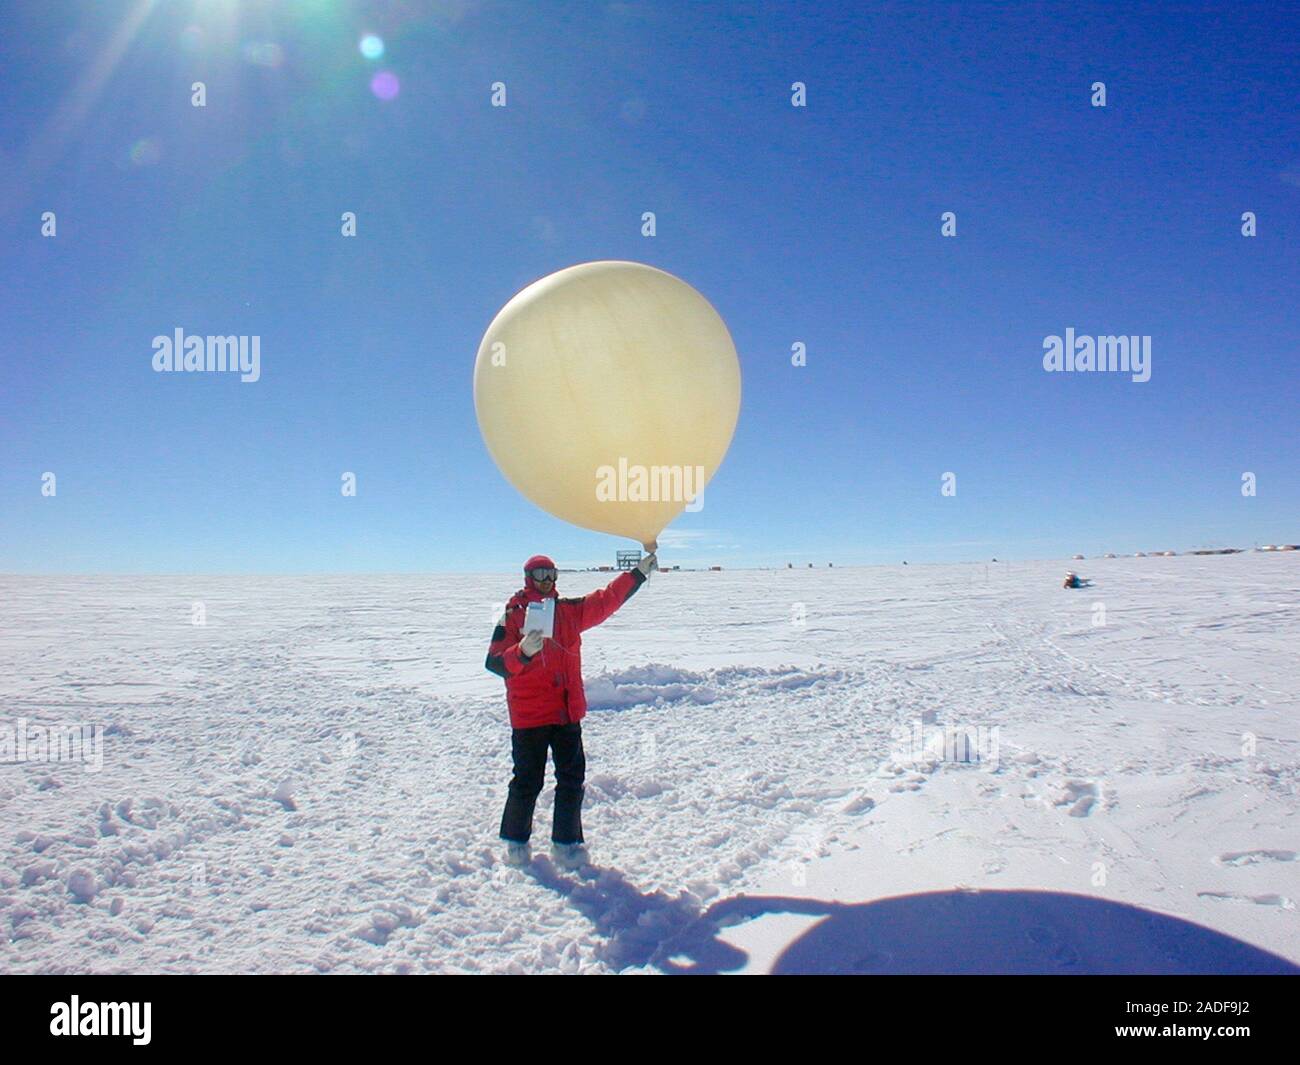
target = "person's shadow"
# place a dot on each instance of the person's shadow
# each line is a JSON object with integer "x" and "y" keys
{"x": 951, "y": 932}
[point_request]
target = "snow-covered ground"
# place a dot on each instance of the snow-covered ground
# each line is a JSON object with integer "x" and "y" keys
{"x": 311, "y": 780}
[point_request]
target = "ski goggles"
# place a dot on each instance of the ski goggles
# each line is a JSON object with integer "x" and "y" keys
{"x": 542, "y": 573}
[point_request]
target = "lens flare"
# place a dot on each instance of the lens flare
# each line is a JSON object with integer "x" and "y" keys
{"x": 146, "y": 152}
{"x": 385, "y": 85}
{"x": 372, "y": 47}
{"x": 263, "y": 54}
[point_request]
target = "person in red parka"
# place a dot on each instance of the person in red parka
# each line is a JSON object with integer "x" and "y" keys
{"x": 546, "y": 701}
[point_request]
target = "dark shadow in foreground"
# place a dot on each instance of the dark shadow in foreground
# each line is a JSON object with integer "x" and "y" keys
{"x": 949, "y": 932}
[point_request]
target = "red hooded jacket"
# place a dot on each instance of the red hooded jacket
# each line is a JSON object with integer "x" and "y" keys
{"x": 547, "y": 688}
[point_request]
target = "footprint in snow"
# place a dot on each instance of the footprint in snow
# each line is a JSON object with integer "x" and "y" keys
{"x": 1280, "y": 901}
{"x": 1080, "y": 796}
{"x": 1253, "y": 857}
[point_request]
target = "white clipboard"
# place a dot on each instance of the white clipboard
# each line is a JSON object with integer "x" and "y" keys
{"x": 540, "y": 617}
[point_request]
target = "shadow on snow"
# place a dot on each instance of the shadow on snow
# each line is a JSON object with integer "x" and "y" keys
{"x": 952, "y": 932}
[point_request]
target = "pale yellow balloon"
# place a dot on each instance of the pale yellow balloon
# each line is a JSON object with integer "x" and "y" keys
{"x": 603, "y": 386}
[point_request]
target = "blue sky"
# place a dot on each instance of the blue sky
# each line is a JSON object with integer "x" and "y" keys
{"x": 817, "y": 224}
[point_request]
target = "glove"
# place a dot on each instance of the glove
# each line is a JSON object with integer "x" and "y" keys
{"x": 531, "y": 643}
{"x": 648, "y": 564}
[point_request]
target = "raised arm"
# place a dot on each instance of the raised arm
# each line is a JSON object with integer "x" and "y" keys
{"x": 599, "y": 605}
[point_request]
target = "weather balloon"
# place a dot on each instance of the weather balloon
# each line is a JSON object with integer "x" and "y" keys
{"x": 608, "y": 393}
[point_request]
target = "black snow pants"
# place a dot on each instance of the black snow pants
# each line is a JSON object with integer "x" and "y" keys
{"x": 529, "y": 746}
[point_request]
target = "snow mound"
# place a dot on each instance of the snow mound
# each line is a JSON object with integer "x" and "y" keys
{"x": 652, "y": 684}
{"x": 658, "y": 684}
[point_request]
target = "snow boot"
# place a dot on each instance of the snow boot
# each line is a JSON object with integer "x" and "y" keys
{"x": 569, "y": 855}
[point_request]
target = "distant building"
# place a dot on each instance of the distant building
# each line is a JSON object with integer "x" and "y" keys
{"x": 715, "y": 567}
{"x": 627, "y": 559}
